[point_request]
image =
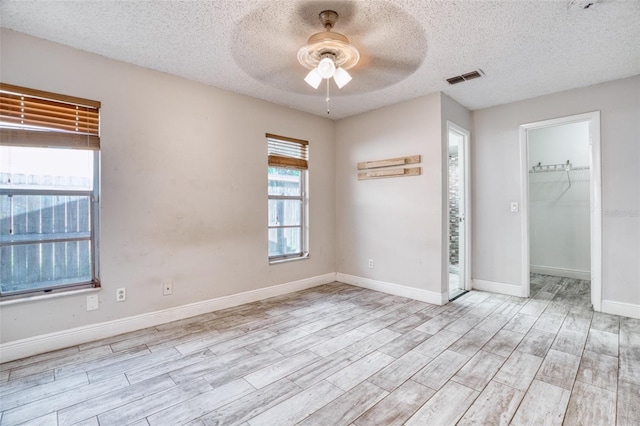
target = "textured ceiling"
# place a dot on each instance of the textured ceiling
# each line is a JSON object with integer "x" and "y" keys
{"x": 525, "y": 48}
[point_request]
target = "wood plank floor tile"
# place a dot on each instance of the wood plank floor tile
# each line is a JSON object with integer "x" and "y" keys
{"x": 628, "y": 404}
{"x": 409, "y": 323}
{"x": 252, "y": 404}
{"x": 403, "y": 344}
{"x": 534, "y": 308}
{"x": 437, "y": 323}
{"x": 360, "y": 370}
{"x": 496, "y": 405}
{"x": 396, "y": 373}
{"x": 47, "y": 356}
{"x": 446, "y": 407}
{"x": 521, "y": 323}
{"x": 571, "y": 342}
{"x": 503, "y": 343}
{"x": 280, "y": 369}
{"x": 591, "y": 405}
{"x": 599, "y": 370}
{"x": 46, "y": 420}
{"x": 214, "y": 337}
{"x": 536, "y": 342}
{"x": 605, "y": 322}
{"x": 630, "y": 365}
{"x": 630, "y": 333}
{"x": 184, "y": 361}
{"x": 241, "y": 368}
{"x": 518, "y": 370}
{"x": 559, "y": 369}
{"x": 343, "y": 410}
{"x": 93, "y": 421}
{"x": 602, "y": 342}
{"x": 338, "y": 342}
{"x": 47, "y": 389}
{"x": 109, "y": 401}
{"x": 206, "y": 364}
{"x": 59, "y": 362}
{"x": 542, "y": 404}
{"x": 194, "y": 407}
{"x": 24, "y": 383}
{"x": 371, "y": 343}
{"x": 471, "y": 342}
{"x": 435, "y": 345}
{"x": 101, "y": 362}
{"x": 275, "y": 341}
{"x": 479, "y": 370}
{"x": 550, "y": 323}
{"x": 138, "y": 410}
{"x": 298, "y": 407}
{"x": 574, "y": 321}
{"x": 40, "y": 407}
{"x": 323, "y": 368}
{"x": 441, "y": 369}
{"x": 132, "y": 364}
{"x": 398, "y": 406}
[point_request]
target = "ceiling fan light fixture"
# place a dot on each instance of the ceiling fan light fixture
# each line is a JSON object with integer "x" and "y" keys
{"x": 326, "y": 67}
{"x": 314, "y": 78}
{"x": 328, "y": 51}
{"x": 341, "y": 77}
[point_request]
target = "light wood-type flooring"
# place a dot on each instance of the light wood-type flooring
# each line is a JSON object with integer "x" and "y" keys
{"x": 342, "y": 355}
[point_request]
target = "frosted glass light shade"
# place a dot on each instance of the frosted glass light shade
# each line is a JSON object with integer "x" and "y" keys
{"x": 341, "y": 77}
{"x": 314, "y": 78}
{"x": 326, "y": 68}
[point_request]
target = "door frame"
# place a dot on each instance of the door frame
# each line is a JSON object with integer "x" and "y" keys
{"x": 595, "y": 192}
{"x": 466, "y": 162}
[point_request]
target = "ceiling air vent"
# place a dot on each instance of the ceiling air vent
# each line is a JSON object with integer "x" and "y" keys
{"x": 464, "y": 77}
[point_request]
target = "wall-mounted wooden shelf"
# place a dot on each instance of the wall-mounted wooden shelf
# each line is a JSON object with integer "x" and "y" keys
{"x": 378, "y": 174}
{"x": 401, "y": 161}
{"x": 388, "y": 173}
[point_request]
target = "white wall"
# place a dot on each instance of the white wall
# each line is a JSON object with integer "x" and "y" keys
{"x": 559, "y": 212}
{"x": 397, "y": 222}
{"x": 496, "y": 174}
{"x": 183, "y": 186}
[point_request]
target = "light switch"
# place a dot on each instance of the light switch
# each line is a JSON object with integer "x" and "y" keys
{"x": 515, "y": 207}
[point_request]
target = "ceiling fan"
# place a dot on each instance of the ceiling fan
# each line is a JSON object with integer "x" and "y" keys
{"x": 328, "y": 54}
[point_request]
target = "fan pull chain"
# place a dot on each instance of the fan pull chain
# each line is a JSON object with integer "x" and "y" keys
{"x": 328, "y": 98}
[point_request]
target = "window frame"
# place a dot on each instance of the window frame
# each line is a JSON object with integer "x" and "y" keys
{"x": 48, "y": 134}
{"x": 303, "y": 219}
{"x": 289, "y": 153}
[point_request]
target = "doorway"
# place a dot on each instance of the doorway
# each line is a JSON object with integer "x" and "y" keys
{"x": 561, "y": 208}
{"x": 458, "y": 203}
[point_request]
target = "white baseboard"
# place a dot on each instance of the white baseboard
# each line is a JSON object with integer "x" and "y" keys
{"x": 621, "y": 308}
{"x": 560, "y": 272}
{"x": 496, "y": 287}
{"x": 395, "y": 289}
{"x": 62, "y": 339}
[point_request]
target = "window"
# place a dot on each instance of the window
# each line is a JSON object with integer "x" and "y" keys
{"x": 49, "y": 163}
{"x": 287, "y": 177}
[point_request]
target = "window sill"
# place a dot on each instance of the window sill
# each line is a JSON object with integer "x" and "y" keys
{"x": 53, "y": 295}
{"x": 289, "y": 259}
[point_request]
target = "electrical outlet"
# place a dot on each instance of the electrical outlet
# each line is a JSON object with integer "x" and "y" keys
{"x": 167, "y": 288}
{"x": 371, "y": 263}
{"x": 92, "y": 302}
{"x": 121, "y": 294}
{"x": 515, "y": 207}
